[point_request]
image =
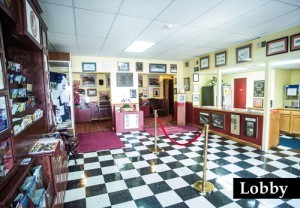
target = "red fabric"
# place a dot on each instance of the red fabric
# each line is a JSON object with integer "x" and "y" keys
{"x": 175, "y": 142}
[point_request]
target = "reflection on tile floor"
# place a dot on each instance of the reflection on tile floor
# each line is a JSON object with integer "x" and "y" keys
{"x": 135, "y": 177}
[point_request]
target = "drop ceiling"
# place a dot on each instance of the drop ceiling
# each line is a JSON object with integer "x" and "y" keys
{"x": 107, "y": 27}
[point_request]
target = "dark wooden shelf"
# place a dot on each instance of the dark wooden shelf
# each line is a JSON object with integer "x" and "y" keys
{"x": 17, "y": 85}
{"x": 29, "y": 110}
{"x": 35, "y": 121}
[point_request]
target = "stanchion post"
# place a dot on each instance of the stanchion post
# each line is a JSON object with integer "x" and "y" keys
{"x": 204, "y": 186}
{"x": 155, "y": 149}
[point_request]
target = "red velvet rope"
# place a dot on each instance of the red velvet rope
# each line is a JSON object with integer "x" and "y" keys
{"x": 182, "y": 144}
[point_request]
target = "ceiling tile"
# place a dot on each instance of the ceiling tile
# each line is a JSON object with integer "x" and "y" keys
{"x": 116, "y": 45}
{"x": 88, "y": 52}
{"x": 183, "y": 35}
{"x": 264, "y": 13}
{"x": 58, "y": 2}
{"x": 93, "y": 23}
{"x": 182, "y": 12}
{"x": 62, "y": 40}
{"x": 270, "y": 26}
{"x": 230, "y": 40}
{"x": 73, "y": 51}
{"x": 128, "y": 27}
{"x": 207, "y": 38}
{"x": 156, "y": 49}
{"x": 58, "y": 18}
{"x": 109, "y": 53}
{"x": 143, "y": 8}
{"x": 294, "y": 2}
{"x": 158, "y": 31}
{"x": 226, "y": 11}
{"x": 90, "y": 42}
{"x": 110, "y": 6}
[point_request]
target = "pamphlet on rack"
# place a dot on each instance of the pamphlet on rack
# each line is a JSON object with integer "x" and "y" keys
{"x": 49, "y": 137}
{"x": 25, "y": 161}
{"x": 43, "y": 147}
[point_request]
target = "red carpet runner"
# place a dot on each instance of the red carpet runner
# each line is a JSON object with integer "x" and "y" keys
{"x": 170, "y": 130}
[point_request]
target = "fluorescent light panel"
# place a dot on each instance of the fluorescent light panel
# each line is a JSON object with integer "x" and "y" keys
{"x": 139, "y": 46}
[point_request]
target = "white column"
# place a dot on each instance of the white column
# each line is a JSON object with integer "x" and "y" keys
{"x": 267, "y": 108}
{"x": 219, "y": 88}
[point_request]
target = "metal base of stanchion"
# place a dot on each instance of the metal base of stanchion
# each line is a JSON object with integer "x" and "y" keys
{"x": 208, "y": 189}
{"x": 156, "y": 150}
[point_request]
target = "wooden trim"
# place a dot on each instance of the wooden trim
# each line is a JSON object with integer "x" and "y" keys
{"x": 59, "y": 56}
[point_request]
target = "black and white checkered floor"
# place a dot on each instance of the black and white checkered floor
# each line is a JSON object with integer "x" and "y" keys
{"x": 135, "y": 177}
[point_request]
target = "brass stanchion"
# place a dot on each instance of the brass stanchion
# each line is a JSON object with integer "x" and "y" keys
{"x": 204, "y": 186}
{"x": 155, "y": 149}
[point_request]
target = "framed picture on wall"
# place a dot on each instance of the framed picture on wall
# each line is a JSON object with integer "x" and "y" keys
{"x": 81, "y": 91}
{"x": 107, "y": 78}
{"x": 195, "y": 77}
{"x": 217, "y": 120}
{"x": 140, "y": 79}
{"x": 157, "y": 68}
{"x": 132, "y": 93}
{"x": 204, "y": 62}
{"x": 243, "y": 54}
{"x": 91, "y": 92}
{"x": 173, "y": 68}
{"x": 156, "y": 92}
{"x": 204, "y": 118}
{"x": 153, "y": 81}
{"x": 88, "y": 80}
{"x": 258, "y": 102}
{"x": 33, "y": 23}
{"x": 195, "y": 97}
{"x": 124, "y": 79}
{"x": 295, "y": 42}
{"x": 123, "y": 66}
{"x": 175, "y": 90}
{"x": 187, "y": 84}
{"x": 235, "y": 124}
{"x": 88, "y": 67}
{"x": 277, "y": 46}
{"x": 220, "y": 58}
{"x": 139, "y": 66}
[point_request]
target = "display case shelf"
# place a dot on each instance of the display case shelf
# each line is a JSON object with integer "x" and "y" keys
{"x": 27, "y": 127}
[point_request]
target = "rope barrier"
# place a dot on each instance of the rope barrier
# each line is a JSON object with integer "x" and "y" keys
{"x": 175, "y": 142}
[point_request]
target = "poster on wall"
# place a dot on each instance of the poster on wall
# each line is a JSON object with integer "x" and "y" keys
{"x": 204, "y": 118}
{"x": 259, "y": 88}
{"x": 235, "y": 124}
{"x": 33, "y": 23}
{"x": 131, "y": 121}
{"x": 250, "y": 127}
{"x": 217, "y": 120}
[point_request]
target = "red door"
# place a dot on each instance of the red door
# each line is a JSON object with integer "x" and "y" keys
{"x": 240, "y": 93}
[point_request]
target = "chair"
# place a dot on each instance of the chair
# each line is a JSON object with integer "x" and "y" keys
{"x": 154, "y": 105}
{"x": 71, "y": 143}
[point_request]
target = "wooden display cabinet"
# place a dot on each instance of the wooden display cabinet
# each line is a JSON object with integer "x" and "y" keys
{"x": 295, "y": 122}
{"x": 290, "y": 121}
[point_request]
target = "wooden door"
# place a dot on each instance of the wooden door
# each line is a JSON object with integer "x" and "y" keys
{"x": 240, "y": 93}
{"x": 166, "y": 96}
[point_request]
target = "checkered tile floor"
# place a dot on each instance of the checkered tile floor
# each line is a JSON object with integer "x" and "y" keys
{"x": 135, "y": 177}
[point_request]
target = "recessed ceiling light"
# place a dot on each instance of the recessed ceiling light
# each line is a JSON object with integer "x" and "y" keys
{"x": 139, "y": 46}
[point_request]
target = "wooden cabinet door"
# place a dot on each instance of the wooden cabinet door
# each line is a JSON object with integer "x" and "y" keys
{"x": 295, "y": 122}
{"x": 284, "y": 121}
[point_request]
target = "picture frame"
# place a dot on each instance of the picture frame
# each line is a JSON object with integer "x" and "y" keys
{"x": 140, "y": 80}
{"x": 258, "y": 102}
{"x": 104, "y": 96}
{"x": 124, "y": 79}
{"x": 153, "y": 81}
{"x": 195, "y": 77}
{"x": 157, "y": 68}
{"x": 244, "y": 53}
{"x": 295, "y": 42}
{"x": 156, "y": 92}
{"x": 196, "y": 98}
{"x": 187, "y": 84}
{"x": 173, "y": 68}
{"x": 91, "y": 92}
{"x": 88, "y": 80}
{"x": 235, "y": 124}
{"x": 33, "y": 23}
{"x": 204, "y": 62}
{"x": 145, "y": 89}
{"x": 204, "y": 118}
{"x": 196, "y": 69}
{"x": 123, "y": 66}
{"x": 145, "y": 95}
{"x": 88, "y": 67}
{"x": 132, "y": 93}
{"x": 81, "y": 91}
{"x": 107, "y": 78}
{"x": 196, "y": 87}
{"x": 218, "y": 120}
{"x": 186, "y": 64}
{"x": 175, "y": 90}
{"x": 221, "y": 58}
{"x": 277, "y": 46}
{"x": 139, "y": 66}
{"x": 259, "y": 88}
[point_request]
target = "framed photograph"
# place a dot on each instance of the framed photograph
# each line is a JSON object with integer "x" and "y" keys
{"x": 187, "y": 84}
{"x": 243, "y": 54}
{"x": 88, "y": 80}
{"x": 81, "y": 91}
{"x": 295, "y": 42}
{"x": 104, "y": 95}
{"x": 175, "y": 81}
{"x": 156, "y": 92}
{"x": 217, "y": 120}
{"x": 195, "y": 77}
{"x": 196, "y": 87}
{"x": 140, "y": 79}
{"x": 258, "y": 102}
{"x": 259, "y": 88}
{"x": 220, "y": 58}
{"x": 157, "y": 68}
{"x": 123, "y": 66}
{"x": 133, "y": 93}
{"x": 204, "y": 118}
{"x": 235, "y": 124}
{"x": 139, "y": 66}
{"x": 186, "y": 64}
{"x": 175, "y": 90}
{"x": 204, "y": 62}
{"x": 196, "y": 69}
{"x": 33, "y": 23}
{"x": 124, "y": 79}
{"x": 88, "y": 67}
{"x": 173, "y": 68}
{"x": 145, "y": 89}
{"x": 91, "y": 92}
{"x": 107, "y": 78}
{"x": 250, "y": 127}
{"x": 277, "y": 46}
{"x": 145, "y": 95}
{"x": 195, "y": 97}
{"x": 153, "y": 81}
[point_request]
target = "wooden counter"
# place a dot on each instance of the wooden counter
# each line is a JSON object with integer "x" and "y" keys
{"x": 239, "y": 125}
{"x": 290, "y": 120}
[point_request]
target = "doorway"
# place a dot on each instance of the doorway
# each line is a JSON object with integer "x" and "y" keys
{"x": 168, "y": 96}
{"x": 240, "y": 93}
